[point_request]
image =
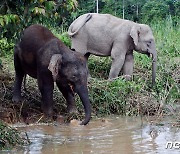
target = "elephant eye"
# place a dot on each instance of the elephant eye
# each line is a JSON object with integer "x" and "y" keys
{"x": 148, "y": 43}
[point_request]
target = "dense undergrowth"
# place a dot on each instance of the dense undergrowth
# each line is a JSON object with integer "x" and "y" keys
{"x": 10, "y": 137}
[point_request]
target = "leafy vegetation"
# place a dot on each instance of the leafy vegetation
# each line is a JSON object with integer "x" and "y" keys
{"x": 6, "y": 47}
{"x": 13, "y": 19}
{"x": 10, "y": 137}
{"x": 137, "y": 10}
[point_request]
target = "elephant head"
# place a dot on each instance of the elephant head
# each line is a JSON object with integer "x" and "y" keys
{"x": 72, "y": 69}
{"x": 144, "y": 43}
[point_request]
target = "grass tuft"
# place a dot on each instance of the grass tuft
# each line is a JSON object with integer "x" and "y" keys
{"x": 10, "y": 137}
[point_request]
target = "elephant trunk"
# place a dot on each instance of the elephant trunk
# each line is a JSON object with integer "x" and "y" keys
{"x": 82, "y": 91}
{"x": 154, "y": 67}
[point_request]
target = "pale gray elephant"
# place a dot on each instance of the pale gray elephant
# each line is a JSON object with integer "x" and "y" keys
{"x": 107, "y": 35}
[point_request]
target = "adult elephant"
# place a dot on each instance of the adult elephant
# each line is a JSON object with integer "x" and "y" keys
{"x": 107, "y": 35}
{"x": 44, "y": 57}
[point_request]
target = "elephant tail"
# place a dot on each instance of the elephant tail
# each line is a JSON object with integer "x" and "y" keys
{"x": 80, "y": 22}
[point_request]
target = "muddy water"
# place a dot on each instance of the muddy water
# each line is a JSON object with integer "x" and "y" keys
{"x": 109, "y": 136}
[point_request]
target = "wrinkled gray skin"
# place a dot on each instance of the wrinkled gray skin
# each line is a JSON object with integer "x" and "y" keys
{"x": 106, "y": 35}
{"x": 44, "y": 57}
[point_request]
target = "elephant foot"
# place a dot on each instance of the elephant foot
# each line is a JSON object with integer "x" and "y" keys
{"x": 17, "y": 99}
{"x": 112, "y": 79}
{"x": 48, "y": 111}
{"x": 127, "y": 77}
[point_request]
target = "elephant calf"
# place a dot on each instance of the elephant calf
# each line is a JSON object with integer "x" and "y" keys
{"x": 44, "y": 57}
{"x": 107, "y": 35}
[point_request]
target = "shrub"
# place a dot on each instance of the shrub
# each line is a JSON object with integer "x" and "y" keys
{"x": 154, "y": 11}
{"x": 65, "y": 38}
{"x": 10, "y": 137}
{"x": 6, "y": 47}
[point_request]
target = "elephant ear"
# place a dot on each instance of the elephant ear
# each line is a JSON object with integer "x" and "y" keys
{"x": 134, "y": 33}
{"x": 55, "y": 64}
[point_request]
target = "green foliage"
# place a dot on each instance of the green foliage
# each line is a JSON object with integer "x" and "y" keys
{"x": 8, "y": 24}
{"x": 111, "y": 97}
{"x": 167, "y": 38}
{"x": 86, "y": 6}
{"x": 99, "y": 66}
{"x": 6, "y": 47}
{"x": 62, "y": 34}
{"x": 64, "y": 37}
{"x": 13, "y": 19}
{"x": 10, "y": 137}
{"x": 177, "y": 8}
{"x": 168, "y": 47}
{"x": 154, "y": 10}
{"x": 8, "y": 18}
{"x": 139, "y": 10}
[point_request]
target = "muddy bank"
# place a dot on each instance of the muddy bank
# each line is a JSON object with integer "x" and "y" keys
{"x": 29, "y": 110}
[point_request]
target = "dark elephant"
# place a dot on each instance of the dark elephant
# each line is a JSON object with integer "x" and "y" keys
{"x": 44, "y": 57}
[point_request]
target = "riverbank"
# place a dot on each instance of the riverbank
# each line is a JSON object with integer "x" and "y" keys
{"x": 119, "y": 97}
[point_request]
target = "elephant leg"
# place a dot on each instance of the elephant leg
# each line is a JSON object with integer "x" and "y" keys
{"x": 68, "y": 94}
{"x": 117, "y": 63}
{"x": 128, "y": 66}
{"x": 46, "y": 86}
{"x": 19, "y": 74}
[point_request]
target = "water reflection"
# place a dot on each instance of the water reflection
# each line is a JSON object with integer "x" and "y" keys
{"x": 112, "y": 136}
